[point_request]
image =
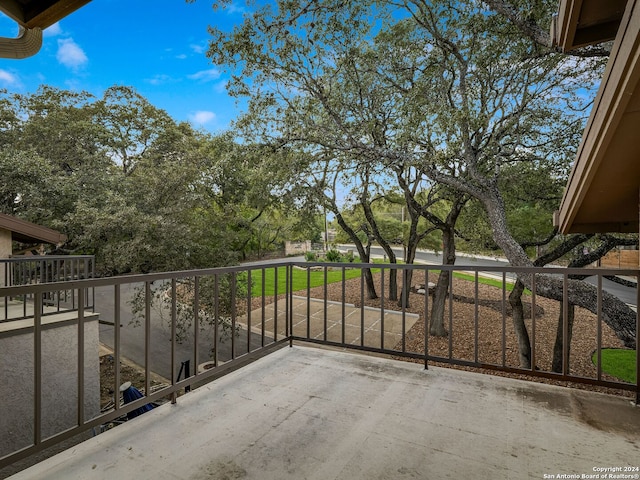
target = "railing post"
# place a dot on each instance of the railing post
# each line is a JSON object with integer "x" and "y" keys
{"x": 344, "y": 311}
{"x": 275, "y": 304}
{"x": 263, "y": 306}
{"x": 249, "y": 308}
{"x": 638, "y": 339}
{"x": 599, "y": 330}
{"x": 81, "y": 335}
{"x": 404, "y": 296}
{"x": 362, "y": 281}
{"x": 290, "y": 295}
{"x": 533, "y": 322}
{"x": 450, "y": 339}
{"x": 308, "y": 323}
{"x": 504, "y": 319}
{"x": 37, "y": 369}
{"x": 288, "y": 299}
{"x": 565, "y": 325}
{"x": 147, "y": 337}
{"x": 116, "y": 343}
{"x": 324, "y": 283}
{"x": 476, "y": 319}
{"x": 196, "y": 323}
{"x": 216, "y": 314}
{"x": 174, "y": 319}
{"x": 382, "y": 306}
{"x": 426, "y": 319}
{"x": 233, "y": 314}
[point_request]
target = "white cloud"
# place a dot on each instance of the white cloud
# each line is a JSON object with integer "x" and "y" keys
{"x": 182, "y": 56}
{"x": 8, "y": 78}
{"x": 53, "y": 31}
{"x": 198, "y": 47}
{"x": 220, "y": 87}
{"x": 202, "y": 116}
{"x": 233, "y": 8}
{"x": 70, "y": 54}
{"x": 160, "y": 79}
{"x": 206, "y": 75}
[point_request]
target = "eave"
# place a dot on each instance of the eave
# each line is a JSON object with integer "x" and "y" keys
{"x": 27, "y": 232}
{"x": 39, "y": 14}
{"x": 603, "y": 188}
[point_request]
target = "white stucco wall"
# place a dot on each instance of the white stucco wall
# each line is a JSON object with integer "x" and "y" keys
{"x": 59, "y": 381}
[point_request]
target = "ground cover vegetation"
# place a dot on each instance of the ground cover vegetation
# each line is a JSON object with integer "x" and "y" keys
{"x": 459, "y": 111}
{"x": 618, "y": 362}
{"x": 299, "y": 278}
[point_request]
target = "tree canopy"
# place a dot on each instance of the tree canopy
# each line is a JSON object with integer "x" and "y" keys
{"x": 142, "y": 192}
{"x": 430, "y": 93}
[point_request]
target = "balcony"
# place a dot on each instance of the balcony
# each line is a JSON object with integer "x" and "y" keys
{"x": 30, "y": 270}
{"x": 284, "y": 392}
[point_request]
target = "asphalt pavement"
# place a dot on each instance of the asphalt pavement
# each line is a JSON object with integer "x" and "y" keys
{"x": 132, "y": 335}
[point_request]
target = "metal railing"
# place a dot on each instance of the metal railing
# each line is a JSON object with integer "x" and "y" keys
{"x": 224, "y": 318}
{"x": 30, "y": 270}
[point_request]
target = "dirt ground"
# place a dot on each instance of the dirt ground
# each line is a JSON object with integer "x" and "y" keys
{"x": 491, "y": 324}
{"x": 128, "y": 373}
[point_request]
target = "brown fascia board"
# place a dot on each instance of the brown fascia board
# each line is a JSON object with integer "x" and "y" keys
{"x": 28, "y": 232}
{"x": 43, "y": 18}
{"x": 620, "y": 78}
{"x": 586, "y": 22}
{"x": 564, "y": 25}
{"x": 39, "y": 13}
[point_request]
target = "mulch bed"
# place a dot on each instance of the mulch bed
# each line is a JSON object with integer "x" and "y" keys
{"x": 491, "y": 323}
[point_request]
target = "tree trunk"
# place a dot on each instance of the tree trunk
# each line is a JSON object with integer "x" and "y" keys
{"x": 436, "y": 327}
{"x": 442, "y": 287}
{"x": 407, "y": 275}
{"x": 368, "y": 213}
{"x": 615, "y": 312}
{"x": 524, "y": 343}
{"x": 368, "y": 276}
{"x": 556, "y": 366}
{"x": 393, "y": 284}
{"x": 364, "y": 255}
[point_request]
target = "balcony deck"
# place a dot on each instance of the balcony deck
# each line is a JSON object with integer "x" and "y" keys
{"x": 303, "y": 412}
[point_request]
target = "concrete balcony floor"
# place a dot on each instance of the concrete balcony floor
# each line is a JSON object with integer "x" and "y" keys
{"x": 310, "y": 413}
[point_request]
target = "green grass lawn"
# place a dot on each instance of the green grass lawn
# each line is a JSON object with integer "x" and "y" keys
{"x": 335, "y": 275}
{"x": 316, "y": 278}
{"x": 619, "y": 363}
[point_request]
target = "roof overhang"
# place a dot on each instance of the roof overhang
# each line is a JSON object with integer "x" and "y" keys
{"x": 32, "y": 16}
{"x": 602, "y": 194}
{"x": 27, "y": 232}
{"x": 584, "y": 22}
{"x": 39, "y": 13}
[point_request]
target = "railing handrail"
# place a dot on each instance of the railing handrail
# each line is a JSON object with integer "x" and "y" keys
{"x": 180, "y": 274}
{"x": 44, "y": 270}
{"x": 26, "y": 258}
{"x": 279, "y": 336}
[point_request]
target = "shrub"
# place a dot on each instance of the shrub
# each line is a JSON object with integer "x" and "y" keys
{"x": 310, "y": 256}
{"x": 333, "y": 255}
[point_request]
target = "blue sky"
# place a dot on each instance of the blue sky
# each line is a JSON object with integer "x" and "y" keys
{"x": 158, "y": 47}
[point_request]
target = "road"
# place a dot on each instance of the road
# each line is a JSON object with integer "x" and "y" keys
{"x": 626, "y": 294}
{"x": 132, "y": 335}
